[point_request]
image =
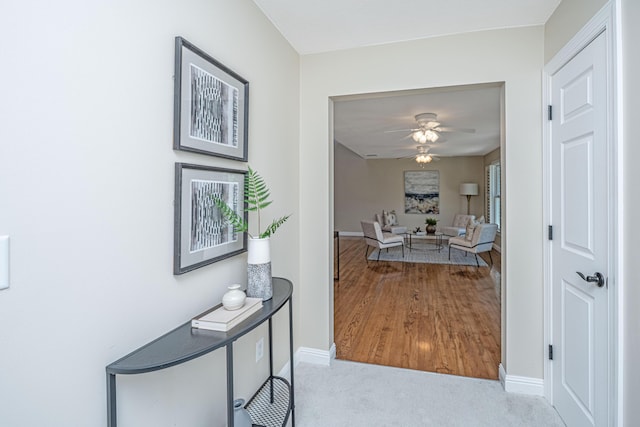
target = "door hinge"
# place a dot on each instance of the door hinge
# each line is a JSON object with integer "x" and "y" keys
{"x": 550, "y": 232}
{"x": 550, "y": 112}
{"x": 550, "y": 352}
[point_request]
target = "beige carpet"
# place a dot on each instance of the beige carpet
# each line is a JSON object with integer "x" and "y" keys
{"x": 350, "y": 394}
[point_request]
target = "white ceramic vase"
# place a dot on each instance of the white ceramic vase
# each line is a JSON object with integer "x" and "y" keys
{"x": 259, "y": 284}
{"x": 241, "y": 417}
{"x": 234, "y": 298}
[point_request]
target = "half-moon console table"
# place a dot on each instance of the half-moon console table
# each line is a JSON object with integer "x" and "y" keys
{"x": 185, "y": 343}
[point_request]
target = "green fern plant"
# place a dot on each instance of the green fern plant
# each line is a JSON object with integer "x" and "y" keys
{"x": 256, "y": 197}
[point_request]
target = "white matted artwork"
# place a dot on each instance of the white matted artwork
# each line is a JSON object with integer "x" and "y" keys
{"x": 202, "y": 234}
{"x": 211, "y": 105}
{"x": 422, "y": 192}
{"x": 208, "y": 226}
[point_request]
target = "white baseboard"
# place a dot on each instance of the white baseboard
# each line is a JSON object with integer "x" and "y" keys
{"x": 497, "y": 248}
{"x": 315, "y": 356}
{"x": 522, "y": 385}
{"x": 351, "y": 233}
{"x": 309, "y": 355}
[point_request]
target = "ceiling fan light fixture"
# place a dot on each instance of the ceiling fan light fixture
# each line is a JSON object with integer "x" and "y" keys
{"x": 425, "y": 118}
{"x": 420, "y": 136}
{"x": 424, "y": 158}
{"x": 431, "y": 135}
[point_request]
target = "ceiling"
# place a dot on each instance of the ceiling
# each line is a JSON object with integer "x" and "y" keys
{"x": 361, "y": 122}
{"x": 313, "y": 26}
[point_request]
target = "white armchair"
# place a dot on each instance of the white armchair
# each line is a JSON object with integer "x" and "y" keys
{"x": 459, "y": 226}
{"x": 389, "y": 222}
{"x": 374, "y": 236}
{"x": 481, "y": 241}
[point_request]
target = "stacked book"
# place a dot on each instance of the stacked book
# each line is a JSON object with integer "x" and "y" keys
{"x": 223, "y": 320}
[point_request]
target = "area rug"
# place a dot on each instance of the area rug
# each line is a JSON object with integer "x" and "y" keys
{"x": 427, "y": 253}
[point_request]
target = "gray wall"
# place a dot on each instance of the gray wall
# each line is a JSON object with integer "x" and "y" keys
{"x": 366, "y": 187}
{"x": 87, "y": 185}
{"x": 568, "y": 18}
{"x": 513, "y": 56}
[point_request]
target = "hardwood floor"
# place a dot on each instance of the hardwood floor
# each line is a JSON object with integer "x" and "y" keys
{"x": 429, "y": 317}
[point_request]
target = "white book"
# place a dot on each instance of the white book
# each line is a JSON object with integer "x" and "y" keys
{"x": 223, "y": 320}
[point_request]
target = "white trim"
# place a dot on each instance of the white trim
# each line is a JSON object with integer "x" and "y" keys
{"x": 351, "y": 233}
{"x": 497, "y": 248}
{"x": 309, "y": 355}
{"x": 522, "y": 385}
{"x": 285, "y": 371}
{"x": 606, "y": 20}
{"x": 315, "y": 356}
{"x": 502, "y": 375}
{"x": 618, "y": 332}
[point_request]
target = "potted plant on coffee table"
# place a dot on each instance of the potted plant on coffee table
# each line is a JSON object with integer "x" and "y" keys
{"x": 431, "y": 225}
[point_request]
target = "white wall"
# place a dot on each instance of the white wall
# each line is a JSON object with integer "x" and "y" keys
{"x": 630, "y": 12}
{"x": 568, "y": 18}
{"x": 86, "y": 179}
{"x": 366, "y": 187}
{"x": 514, "y": 56}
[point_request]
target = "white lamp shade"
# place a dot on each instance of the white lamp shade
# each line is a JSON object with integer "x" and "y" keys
{"x": 469, "y": 189}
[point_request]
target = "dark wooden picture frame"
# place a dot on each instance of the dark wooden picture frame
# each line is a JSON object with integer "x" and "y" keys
{"x": 210, "y": 107}
{"x": 201, "y": 234}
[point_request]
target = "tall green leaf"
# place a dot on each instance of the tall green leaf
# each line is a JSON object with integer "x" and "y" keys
{"x": 256, "y": 197}
{"x": 274, "y": 226}
{"x": 231, "y": 216}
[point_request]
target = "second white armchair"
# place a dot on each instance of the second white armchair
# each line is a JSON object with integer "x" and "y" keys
{"x": 459, "y": 226}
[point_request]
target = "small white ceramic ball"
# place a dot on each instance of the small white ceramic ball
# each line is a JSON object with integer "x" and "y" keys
{"x": 234, "y": 298}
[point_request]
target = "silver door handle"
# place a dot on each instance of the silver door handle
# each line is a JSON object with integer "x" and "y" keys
{"x": 597, "y": 278}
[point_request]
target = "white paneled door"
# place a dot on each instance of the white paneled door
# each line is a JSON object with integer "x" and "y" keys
{"x": 580, "y": 245}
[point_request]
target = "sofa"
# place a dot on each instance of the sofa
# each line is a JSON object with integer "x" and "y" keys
{"x": 459, "y": 226}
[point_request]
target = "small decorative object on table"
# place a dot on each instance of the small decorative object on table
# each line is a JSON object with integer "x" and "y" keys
{"x": 241, "y": 417}
{"x": 259, "y": 284}
{"x": 431, "y": 225}
{"x": 220, "y": 319}
{"x": 234, "y": 298}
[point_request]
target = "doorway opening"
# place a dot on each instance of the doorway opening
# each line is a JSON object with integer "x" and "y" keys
{"x": 421, "y": 311}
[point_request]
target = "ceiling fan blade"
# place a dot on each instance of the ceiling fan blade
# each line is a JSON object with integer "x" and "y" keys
{"x": 451, "y": 129}
{"x": 401, "y": 130}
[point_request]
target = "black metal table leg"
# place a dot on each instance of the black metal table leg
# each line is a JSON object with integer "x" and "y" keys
{"x": 293, "y": 402}
{"x": 230, "y": 413}
{"x": 271, "y": 361}
{"x": 112, "y": 417}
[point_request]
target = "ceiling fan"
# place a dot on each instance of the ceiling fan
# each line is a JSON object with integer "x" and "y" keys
{"x": 429, "y": 129}
{"x": 423, "y": 156}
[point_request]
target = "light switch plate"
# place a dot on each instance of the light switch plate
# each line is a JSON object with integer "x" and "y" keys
{"x": 259, "y": 349}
